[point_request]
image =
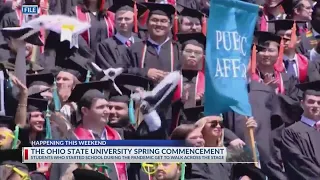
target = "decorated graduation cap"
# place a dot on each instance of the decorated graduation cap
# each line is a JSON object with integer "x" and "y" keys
{"x": 310, "y": 88}
{"x": 288, "y": 24}
{"x": 26, "y": 34}
{"x": 197, "y": 39}
{"x": 188, "y": 12}
{"x": 129, "y": 83}
{"x": 84, "y": 93}
{"x": 46, "y": 79}
{"x": 129, "y": 5}
{"x": 194, "y": 114}
{"x": 84, "y": 174}
{"x": 165, "y": 10}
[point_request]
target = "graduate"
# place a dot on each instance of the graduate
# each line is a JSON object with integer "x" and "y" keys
{"x": 193, "y": 53}
{"x": 126, "y": 22}
{"x": 84, "y": 174}
{"x": 265, "y": 109}
{"x": 102, "y": 22}
{"x": 191, "y": 21}
{"x": 21, "y": 50}
{"x": 300, "y": 140}
{"x": 299, "y": 10}
{"x": 310, "y": 39}
{"x": 155, "y": 57}
{"x": 294, "y": 63}
{"x": 272, "y": 10}
{"x": 268, "y": 56}
{"x": 92, "y": 104}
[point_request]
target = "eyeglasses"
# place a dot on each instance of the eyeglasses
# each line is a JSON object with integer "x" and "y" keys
{"x": 22, "y": 174}
{"x": 151, "y": 168}
{"x": 214, "y": 124}
{"x": 189, "y": 52}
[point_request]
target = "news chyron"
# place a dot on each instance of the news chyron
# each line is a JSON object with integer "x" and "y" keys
{"x": 30, "y": 9}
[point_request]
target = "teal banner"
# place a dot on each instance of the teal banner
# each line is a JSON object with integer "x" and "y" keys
{"x": 229, "y": 37}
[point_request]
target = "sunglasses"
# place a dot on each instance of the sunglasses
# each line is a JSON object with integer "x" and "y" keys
{"x": 5, "y": 136}
{"x": 214, "y": 124}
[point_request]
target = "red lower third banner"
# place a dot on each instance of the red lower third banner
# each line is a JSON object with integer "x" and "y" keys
{"x": 26, "y": 154}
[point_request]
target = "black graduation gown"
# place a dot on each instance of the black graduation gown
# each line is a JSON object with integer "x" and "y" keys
{"x": 109, "y": 52}
{"x": 5, "y": 7}
{"x": 300, "y": 152}
{"x": 290, "y": 83}
{"x": 98, "y": 30}
{"x": 133, "y": 59}
{"x": 313, "y": 70}
{"x": 307, "y": 43}
{"x": 261, "y": 98}
{"x": 190, "y": 77}
{"x": 206, "y": 171}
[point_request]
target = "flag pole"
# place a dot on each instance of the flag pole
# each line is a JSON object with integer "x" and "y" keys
{"x": 253, "y": 145}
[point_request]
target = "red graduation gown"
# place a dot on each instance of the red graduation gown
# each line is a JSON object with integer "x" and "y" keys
{"x": 120, "y": 172}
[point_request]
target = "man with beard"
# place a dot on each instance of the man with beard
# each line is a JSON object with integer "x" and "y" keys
{"x": 300, "y": 140}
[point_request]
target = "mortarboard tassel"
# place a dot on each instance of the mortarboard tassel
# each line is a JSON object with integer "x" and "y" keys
{"x": 253, "y": 64}
{"x": 131, "y": 112}
{"x": 56, "y": 99}
{"x": 175, "y": 26}
{"x": 88, "y": 76}
{"x": 16, "y": 136}
{"x": 278, "y": 66}
{"x": 48, "y": 125}
{"x": 183, "y": 171}
{"x": 204, "y": 25}
{"x": 135, "y": 18}
{"x": 293, "y": 39}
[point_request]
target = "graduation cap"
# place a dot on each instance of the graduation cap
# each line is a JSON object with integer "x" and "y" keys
{"x": 129, "y": 5}
{"x": 131, "y": 82}
{"x": 197, "y": 39}
{"x": 165, "y": 10}
{"x": 11, "y": 155}
{"x": 288, "y": 24}
{"x": 27, "y": 34}
{"x": 194, "y": 114}
{"x": 35, "y": 104}
{"x": 7, "y": 121}
{"x": 84, "y": 93}
{"x": 46, "y": 79}
{"x": 310, "y": 88}
{"x": 290, "y": 5}
{"x": 76, "y": 68}
{"x": 273, "y": 5}
{"x": 264, "y": 36}
{"x": 31, "y": 2}
{"x": 188, "y": 12}
{"x": 84, "y": 174}
{"x": 249, "y": 170}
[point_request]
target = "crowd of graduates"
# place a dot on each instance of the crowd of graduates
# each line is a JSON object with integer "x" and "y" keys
{"x": 86, "y": 92}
